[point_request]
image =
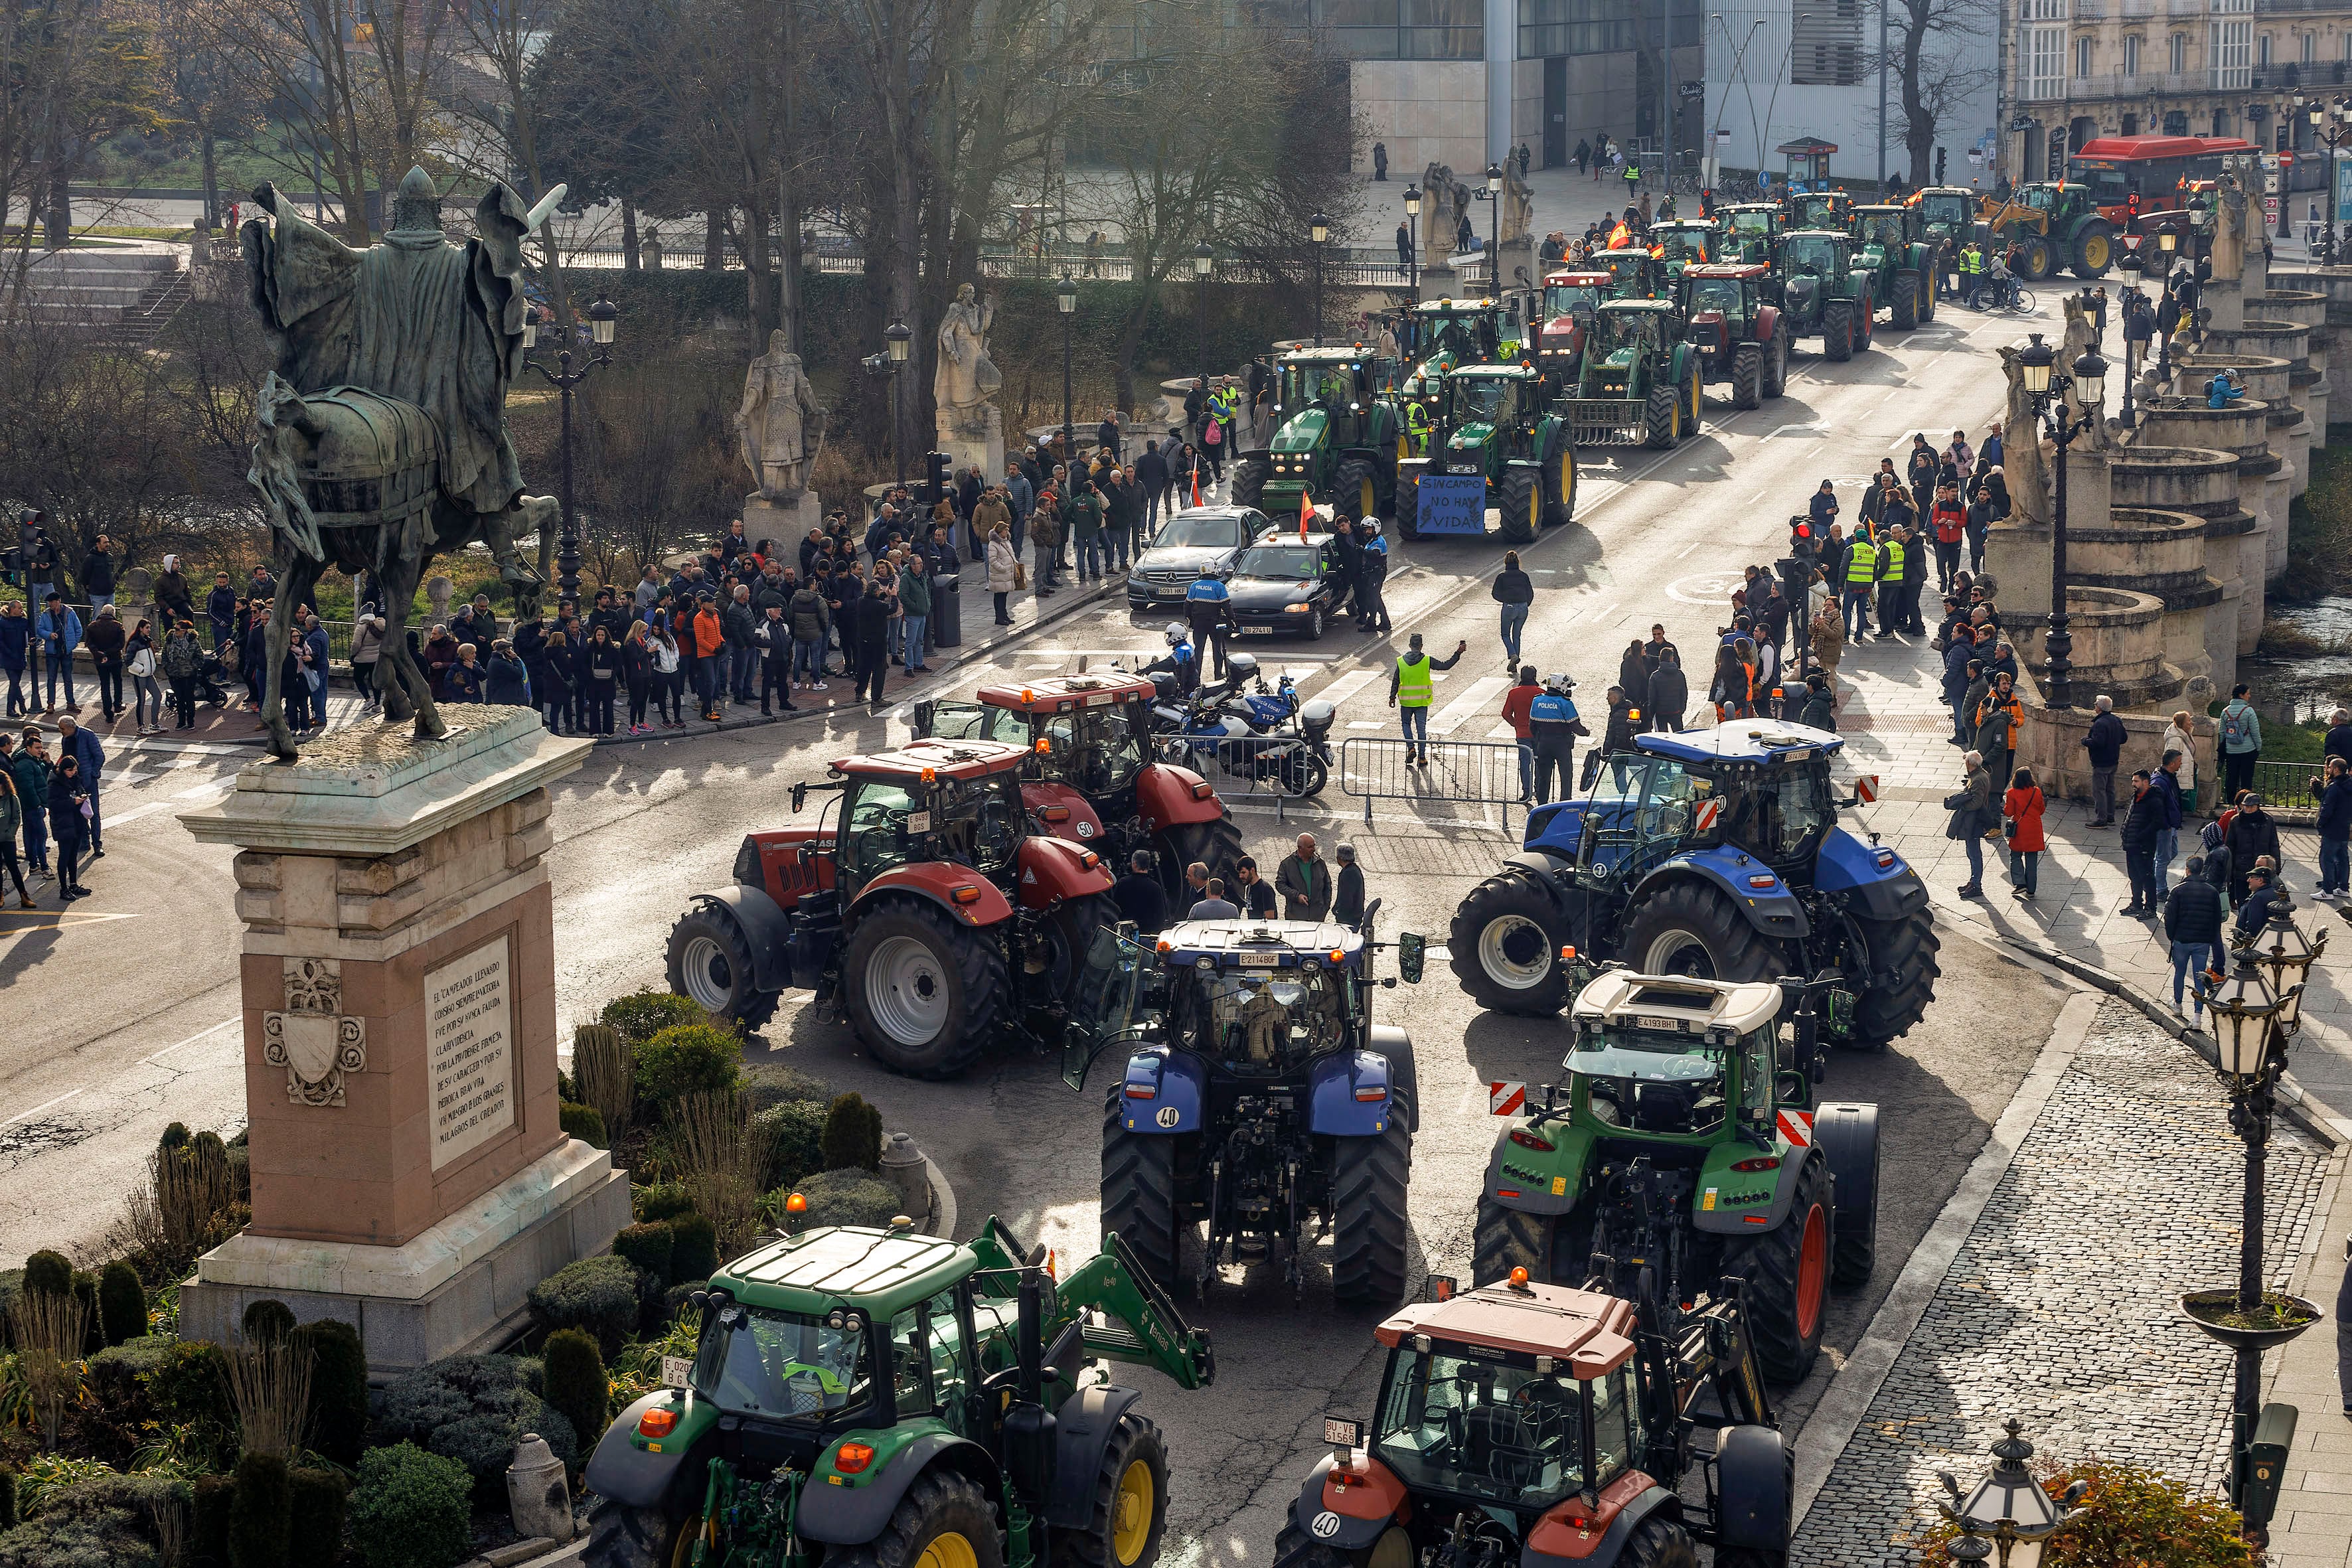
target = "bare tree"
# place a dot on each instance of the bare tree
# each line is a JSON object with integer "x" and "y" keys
{"x": 1934, "y": 61}
{"x": 72, "y": 73}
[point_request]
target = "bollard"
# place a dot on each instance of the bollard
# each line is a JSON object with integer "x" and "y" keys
{"x": 904, "y": 1168}
{"x": 538, "y": 1491}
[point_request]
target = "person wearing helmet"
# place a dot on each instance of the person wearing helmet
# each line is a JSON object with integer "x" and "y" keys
{"x": 1179, "y": 660}
{"x": 1207, "y": 606}
{"x": 1552, "y": 728}
{"x": 1371, "y": 572}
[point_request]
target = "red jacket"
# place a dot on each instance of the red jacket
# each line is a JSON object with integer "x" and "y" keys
{"x": 2025, "y": 806}
{"x": 1951, "y": 523}
{"x": 1516, "y": 703}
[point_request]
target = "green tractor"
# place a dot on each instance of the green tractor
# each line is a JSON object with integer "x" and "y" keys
{"x": 1751, "y": 230}
{"x": 1493, "y": 421}
{"x": 1818, "y": 209}
{"x": 1825, "y": 290}
{"x": 1634, "y": 273}
{"x": 1946, "y": 214}
{"x": 1902, "y": 263}
{"x": 1639, "y": 380}
{"x": 888, "y": 1399}
{"x": 2052, "y": 225}
{"x": 1336, "y": 442}
{"x": 1683, "y": 242}
{"x": 1688, "y": 1160}
{"x": 1445, "y": 333}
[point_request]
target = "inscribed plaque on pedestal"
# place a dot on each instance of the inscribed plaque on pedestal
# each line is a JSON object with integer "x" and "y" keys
{"x": 469, "y": 1050}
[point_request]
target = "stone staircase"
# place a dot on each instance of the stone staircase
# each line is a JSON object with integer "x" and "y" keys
{"x": 123, "y": 296}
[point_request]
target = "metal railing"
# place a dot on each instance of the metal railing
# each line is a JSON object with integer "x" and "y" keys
{"x": 2285, "y": 787}
{"x": 1455, "y": 772}
{"x": 1359, "y": 266}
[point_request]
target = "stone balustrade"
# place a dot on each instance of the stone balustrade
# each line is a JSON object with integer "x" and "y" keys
{"x": 2203, "y": 484}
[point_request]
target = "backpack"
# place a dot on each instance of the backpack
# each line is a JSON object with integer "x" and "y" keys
{"x": 2233, "y": 725}
{"x": 1212, "y": 434}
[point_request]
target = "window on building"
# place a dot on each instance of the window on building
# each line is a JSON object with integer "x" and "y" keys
{"x": 2176, "y": 58}
{"x": 2131, "y": 55}
{"x": 2082, "y": 57}
{"x": 2042, "y": 10}
{"x": 2229, "y": 55}
{"x": 2263, "y": 50}
{"x": 2044, "y": 50}
{"x": 1827, "y": 48}
{"x": 2310, "y": 48}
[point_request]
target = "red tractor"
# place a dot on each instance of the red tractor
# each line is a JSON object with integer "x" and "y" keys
{"x": 920, "y": 899}
{"x": 1570, "y": 299}
{"x": 1092, "y": 775}
{"x": 1737, "y": 331}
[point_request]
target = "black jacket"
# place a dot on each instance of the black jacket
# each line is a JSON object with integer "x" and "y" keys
{"x": 1151, "y": 471}
{"x": 2141, "y": 821}
{"x": 2251, "y": 835}
{"x": 1348, "y": 896}
{"x": 1141, "y": 899}
{"x": 2105, "y": 742}
{"x": 2193, "y": 911}
{"x": 1669, "y": 690}
{"x": 1513, "y": 587}
{"x": 2336, "y": 810}
{"x": 873, "y": 621}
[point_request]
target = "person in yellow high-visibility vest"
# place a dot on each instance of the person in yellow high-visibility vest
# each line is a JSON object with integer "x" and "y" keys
{"x": 1891, "y": 552}
{"x": 1416, "y": 425}
{"x": 1861, "y": 582}
{"x": 1413, "y": 688}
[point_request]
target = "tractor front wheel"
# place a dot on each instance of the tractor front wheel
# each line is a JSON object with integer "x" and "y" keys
{"x": 1507, "y": 1239}
{"x": 1659, "y": 1542}
{"x": 620, "y": 1536}
{"x": 1691, "y": 927}
{"x": 1787, "y": 1273}
{"x": 2094, "y": 250}
{"x": 1519, "y": 503}
{"x": 1130, "y": 1504}
{"x": 944, "y": 1521}
{"x": 1906, "y": 302}
{"x": 1217, "y": 845}
{"x": 1776, "y": 366}
{"x": 1503, "y": 947}
{"x": 1249, "y": 480}
{"x": 1560, "y": 484}
{"x": 925, "y": 994}
{"x": 1408, "y": 500}
{"x": 1696, "y": 400}
{"x": 1368, "y": 1179}
{"x": 1884, "y": 1010}
{"x": 2035, "y": 260}
{"x": 1837, "y": 329}
{"x": 1138, "y": 1188}
{"x": 1662, "y": 415}
{"x": 710, "y": 965}
{"x": 1747, "y": 375}
{"x": 1293, "y": 1548}
{"x": 1356, "y": 489}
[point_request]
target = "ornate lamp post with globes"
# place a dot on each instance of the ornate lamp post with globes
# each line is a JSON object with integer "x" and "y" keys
{"x": 2062, "y": 424}
{"x": 602, "y": 320}
{"x": 2007, "y": 1513}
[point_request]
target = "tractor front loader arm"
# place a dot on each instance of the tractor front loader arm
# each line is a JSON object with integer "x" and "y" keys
{"x": 1139, "y": 1321}
{"x": 1716, "y": 1344}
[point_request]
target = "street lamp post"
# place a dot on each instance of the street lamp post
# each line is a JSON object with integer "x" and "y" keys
{"x": 898, "y": 338}
{"x": 1318, "y": 229}
{"x": 1412, "y": 256}
{"x": 601, "y": 318}
{"x": 1203, "y": 261}
{"x": 2132, "y": 264}
{"x": 2168, "y": 239}
{"x": 1065, "y": 301}
{"x": 2332, "y": 125}
{"x": 2088, "y": 386}
{"x": 2007, "y": 1511}
{"x": 1495, "y": 227}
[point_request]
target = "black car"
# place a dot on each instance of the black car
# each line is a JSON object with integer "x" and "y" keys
{"x": 1286, "y": 584}
{"x": 1198, "y": 538}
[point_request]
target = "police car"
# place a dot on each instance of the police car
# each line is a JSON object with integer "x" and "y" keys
{"x": 1199, "y": 539}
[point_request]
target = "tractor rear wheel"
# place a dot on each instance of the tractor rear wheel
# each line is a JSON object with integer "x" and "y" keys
{"x": 1131, "y": 1503}
{"x": 1776, "y": 366}
{"x": 620, "y": 1536}
{"x": 2095, "y": 248}
{"x": 1696, "y": 403}
{"x": 1507, "y": 1239}
{"x": 1356, "y": 489}
{"x": 1865, "y": 324}
{"x": 1883, "y": 1012}
{"x": 1837, "y": 329}
{"x": 1138, "y": 1190}
{"x": 1408, "y": 500}
{"x": 710, "y": 965}
{"x": 1074, "y": 925}
{"x": 1368, "y": 1179}
{"x": 1906, "y": 302}
{"x": 925, "y": 994}
{"x": 1503, "y": 947}
{"x": 1249, "y": 480}
{"x": 1293, "y": 1548}
{"x": 1787, "y": 1273}
{"x": 1847, "y": 1136}
{"x": 1662, "y": 415}
{"x": 1659, "y": 1542}
{"x": 1691, "y": 927}
{"x": 944, "y": 1521}
{"x": 1520, "y": 504}
{"x": 1559, "y": 483}
{"x": 2035, "y": 259}
{"x": 1217, "y": 845}
{"x": 1747, "y": 375}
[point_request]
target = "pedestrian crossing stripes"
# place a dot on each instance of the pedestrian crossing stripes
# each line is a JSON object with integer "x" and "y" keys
{"x": 1478, "y": 699}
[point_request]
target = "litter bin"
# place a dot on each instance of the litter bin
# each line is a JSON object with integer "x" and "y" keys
{"x": 947, "y": 611}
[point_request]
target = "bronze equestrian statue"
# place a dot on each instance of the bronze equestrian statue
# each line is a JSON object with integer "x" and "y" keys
{"x": 383, "y": 429}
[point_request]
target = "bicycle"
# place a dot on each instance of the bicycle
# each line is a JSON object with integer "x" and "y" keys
{"x": 2006, "y": 295}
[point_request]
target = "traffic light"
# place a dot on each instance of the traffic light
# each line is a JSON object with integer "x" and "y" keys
{"x": 1939, "y": 166}
{"x": 935, "y": 477}
{"x": 1801, "y": 537}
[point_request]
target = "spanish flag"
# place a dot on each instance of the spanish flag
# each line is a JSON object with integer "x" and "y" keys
{"x": 1196, "y": 487}
{"x": 1306, "y": 513}
{"x": 1621, "y": 236}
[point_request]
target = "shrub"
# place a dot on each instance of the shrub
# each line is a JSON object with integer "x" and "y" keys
{"x": 850, "y": 1197}
{"x": 190, "y": 1384}
{"x": 603, "y": 1067}
{"x": 687, "y": 1058}
{"x": 209, "y": 1499}
{"x": 795, "y": 1130}
{"x": 316, "y": 1532}
{"x": 49, "y": 1272}
{"x": 93, "y": 1325}
{"x": 576, "y": 1385}
{"x": 261, "y": 1514}
{"x": 266, "y": 1322}
{"x": 585, "y": 1123}
{"x": 597, "y": 1294}
{"x": 101, "y": 1521}
{"x": 48, "y": 1478}
{"x": 175, "y": 1136}
{"x": 122, "y": 1303}
{"x": 412, "y": 1508}
{"x": 853, "y": 1135}
{"x": 117, "y": 1414}
{"x": 695, "y": 1252}
{"x": 2131, "y": 1515}
{"x": 649, "y": 1247}
{"x": 338, "y": 1388}
{"x": 771, "y": 1084}
{"x": 474, "y": 1409}
{"x": 640, "y": 1015}
{"x": 663, "y": 1200}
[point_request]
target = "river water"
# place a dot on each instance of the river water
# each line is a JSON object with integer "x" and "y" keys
{"x": 2310, "y": 685}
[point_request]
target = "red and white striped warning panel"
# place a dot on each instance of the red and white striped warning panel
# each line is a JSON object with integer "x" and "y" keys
{"x": 1708, "y": 810}
{"x": 1797, "y": 1127}
{"x": 1506, "y": 1098}
{"x": 1865, "y": 788}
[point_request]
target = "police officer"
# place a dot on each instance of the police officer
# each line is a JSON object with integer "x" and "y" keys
{"x": 1552, "y": 728}
{"x": 1371, "y": 573}
{"x": 1179, "y": 660}
{"x": 1207, "y": 607}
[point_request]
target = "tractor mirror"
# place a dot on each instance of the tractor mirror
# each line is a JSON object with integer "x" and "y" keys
{"x": 1412, "y": 952}
{"x": 1792, "y": 1087}
{"x": 923, "y": 719}
{"x": 1440, "y": 1288}
{"x": 800, "y": 797}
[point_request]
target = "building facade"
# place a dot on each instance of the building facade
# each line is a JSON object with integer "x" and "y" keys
{"x": 2073, "y": 69}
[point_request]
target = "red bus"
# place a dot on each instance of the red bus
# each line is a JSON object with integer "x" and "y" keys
{"x": 2132, "y": 176}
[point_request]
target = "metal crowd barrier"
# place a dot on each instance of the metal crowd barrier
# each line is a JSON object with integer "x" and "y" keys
{"x": 1457, "y": 772}
{"x": 1239, "y": 765}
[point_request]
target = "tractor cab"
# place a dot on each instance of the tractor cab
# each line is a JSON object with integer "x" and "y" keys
{"x": 1751, "y": 230}
{"x": 1632, "y": 274}
{"x": 1451, "y": 332}
{"x": 1761, "y": 793}
{"x": 1674, "y": 1055}
{"x": 1487, "y": 411}
{"x": 1683, "y": 242}
{"x": 1818, "y": 209}
{"x": 1569, "y": 298}
{"x": 1947, "y": 213}
{"x": 1719, "y": 299}
{"x": 1883, "y": 228}
{"x": 1323, "y": 397}
{"x": 1625, "y": 332}
{"x": 927, "y": 801}
{"x": 1816, "y": 253}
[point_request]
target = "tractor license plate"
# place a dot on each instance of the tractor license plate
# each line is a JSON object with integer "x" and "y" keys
{"x": 678, "y": 1371}
{"x": 918, "y": 822}
{"x": 1664, "y": 1025}
{"x": 1260, "y": 960}
{"x": 1257, "y": 632}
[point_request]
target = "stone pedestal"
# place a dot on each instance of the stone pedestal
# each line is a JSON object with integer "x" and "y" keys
{"x": 980, "y": 440}
{"x": 1519, "y": 256}
{"x": 409, "y": 1172}
{"x": 785, "y": 522}
{"x": 1440, "y": 282}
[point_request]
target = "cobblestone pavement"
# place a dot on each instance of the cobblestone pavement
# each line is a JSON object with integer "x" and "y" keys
{"x": 2060, "y": 1308}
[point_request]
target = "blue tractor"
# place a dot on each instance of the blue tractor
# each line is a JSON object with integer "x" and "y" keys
{"x": 1715, "y": 854}
{"x": 1257, "y": 1095}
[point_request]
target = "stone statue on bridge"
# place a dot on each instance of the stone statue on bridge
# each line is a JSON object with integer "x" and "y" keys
{"x": 781, "y": 421}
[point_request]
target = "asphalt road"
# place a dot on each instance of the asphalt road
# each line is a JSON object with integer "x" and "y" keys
{"x": 118, "y": 1012}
